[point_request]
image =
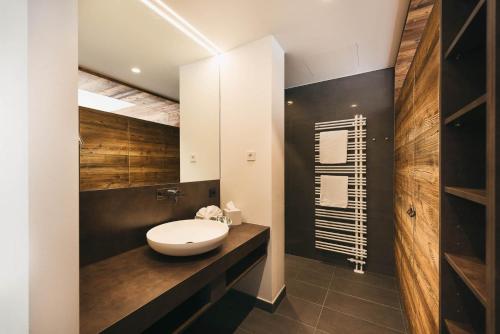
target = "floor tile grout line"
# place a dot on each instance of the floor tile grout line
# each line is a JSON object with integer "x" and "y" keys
{"x": 394, "y": 290}
{"x": 369, "y": 273}
{"x": 341, "y": 292}
{"x": 303, "y": 299}
{"x": 294, "y": 320}
{"x": 366, "y": 300}
{"x": 324, "y": 300}
{"x": 369, "y": 321}
{"x": 384, "y": 276}
{"x": 325, "y": 272}
{"x": 370, "y": 284}
{"x": 309, "y": 283}
{"x": 298, "y": 268}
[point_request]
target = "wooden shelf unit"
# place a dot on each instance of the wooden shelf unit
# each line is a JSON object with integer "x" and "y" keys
{"x": 468, "y": 233}
{"x": 455, "y": 327}
{"x": 466, "y": 37}
{"x": 473, "y": 106}
{"x": 472, "y": 271}
{"x": 474, "y": 195}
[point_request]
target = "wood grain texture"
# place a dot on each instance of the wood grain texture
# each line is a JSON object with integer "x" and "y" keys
{"x": 471, "y": 194}
{"x": 121, "y": 152}
{"x": 418, "y": 14}
{"x": 472, "y": 271}
{"x": 154, "y": 153}
{"x": 146, "y": 105}
{"x": 417, "y": 182}
{"x": 458, "y": 328}
{"x": 104, "y": 160}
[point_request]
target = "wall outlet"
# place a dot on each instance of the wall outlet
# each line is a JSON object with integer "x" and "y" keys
{"x": 192, "y": 157}
{"x": 251, "y": 156}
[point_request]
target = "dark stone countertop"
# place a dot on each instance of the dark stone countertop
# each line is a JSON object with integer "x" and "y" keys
{"x": 130, "y": 291}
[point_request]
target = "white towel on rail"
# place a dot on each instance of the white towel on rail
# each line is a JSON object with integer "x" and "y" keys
{"x": 333, "y": 147}
{"x": 333, "y": 191}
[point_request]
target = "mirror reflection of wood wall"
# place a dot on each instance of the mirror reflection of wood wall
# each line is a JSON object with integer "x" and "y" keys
{"x": 145, "y": 105}
{"x": 122, "y": 152}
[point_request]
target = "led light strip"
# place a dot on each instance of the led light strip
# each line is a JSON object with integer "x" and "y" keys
{"x": 169, "y": 15}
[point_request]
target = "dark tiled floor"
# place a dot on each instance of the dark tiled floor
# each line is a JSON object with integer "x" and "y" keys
{"x": 320, "y": 299}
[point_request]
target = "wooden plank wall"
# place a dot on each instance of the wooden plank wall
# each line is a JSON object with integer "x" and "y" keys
{"x": 418, "y": 13}
{"x": 417, "y": 183}
{"x": 123, "y": 152}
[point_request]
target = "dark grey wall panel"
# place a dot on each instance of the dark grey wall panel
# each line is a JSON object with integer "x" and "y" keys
{"x": 327, "y": 101}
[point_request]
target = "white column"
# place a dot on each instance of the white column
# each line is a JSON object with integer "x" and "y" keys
{"x": 39, "y": 178}
{"x": 53, "y": 165}
{"x": 252, "y": 119}
{"x": 14, "y": 238}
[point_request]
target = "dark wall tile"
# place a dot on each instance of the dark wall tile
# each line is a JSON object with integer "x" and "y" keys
{"x": 114, "y": 221}
{"x": 331, "y": 100}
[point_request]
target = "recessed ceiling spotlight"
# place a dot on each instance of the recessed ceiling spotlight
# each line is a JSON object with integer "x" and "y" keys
{"x": 354, "y": 105}
{"x": 290, "y": 102}
{"x": 135, "y": 70}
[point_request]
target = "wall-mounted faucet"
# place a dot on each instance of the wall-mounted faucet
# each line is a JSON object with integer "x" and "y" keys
{"x": 168, "y": 193}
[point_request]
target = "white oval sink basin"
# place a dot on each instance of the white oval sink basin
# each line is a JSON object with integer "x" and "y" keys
{"x": 187, "y": 237}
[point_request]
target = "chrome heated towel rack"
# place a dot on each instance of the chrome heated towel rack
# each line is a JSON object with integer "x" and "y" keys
{"x": 343, "y": 230}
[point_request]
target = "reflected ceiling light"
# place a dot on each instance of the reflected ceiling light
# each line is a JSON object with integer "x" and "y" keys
{"x": 101, "y": 102}
{"x": 354, "y": 105}
{"x": 136, "y": 70}
{"x": 290, "y": 102}
{"x": 168, "y": 14}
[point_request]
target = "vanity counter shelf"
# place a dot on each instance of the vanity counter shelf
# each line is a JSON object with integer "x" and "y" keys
{"x": 130, "y": 292}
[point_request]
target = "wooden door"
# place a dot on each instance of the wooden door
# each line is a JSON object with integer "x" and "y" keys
{"x": 417, "y": 183}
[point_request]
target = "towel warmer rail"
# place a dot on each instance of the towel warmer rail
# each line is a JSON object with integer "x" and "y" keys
{"x": 343, "y": 230}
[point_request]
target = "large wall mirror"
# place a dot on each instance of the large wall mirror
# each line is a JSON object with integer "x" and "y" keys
{"x": 149, "y": 100}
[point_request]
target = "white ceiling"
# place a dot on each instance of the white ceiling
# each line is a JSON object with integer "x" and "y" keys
{"x": 116, "y": 35}
{"x": 322, "y": 39}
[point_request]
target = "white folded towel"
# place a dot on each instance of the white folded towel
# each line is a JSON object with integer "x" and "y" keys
{"x": 333, "y": 191}
{"x": 333, "y": 147}
{"x": 209, "y": 212}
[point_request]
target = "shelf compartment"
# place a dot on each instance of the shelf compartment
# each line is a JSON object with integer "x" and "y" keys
{"x": 472, "y": 272}
{"x": 471, "y": 194}
{"x": 455, "y": 327}
{"x": 466, "y": 37}
{"x": 240, "y": 269}
{"x": 183, "y": 314}
{"x": 464, "y": 112}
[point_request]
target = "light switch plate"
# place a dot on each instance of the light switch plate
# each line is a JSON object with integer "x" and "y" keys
{"x": 251, "y": 156}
